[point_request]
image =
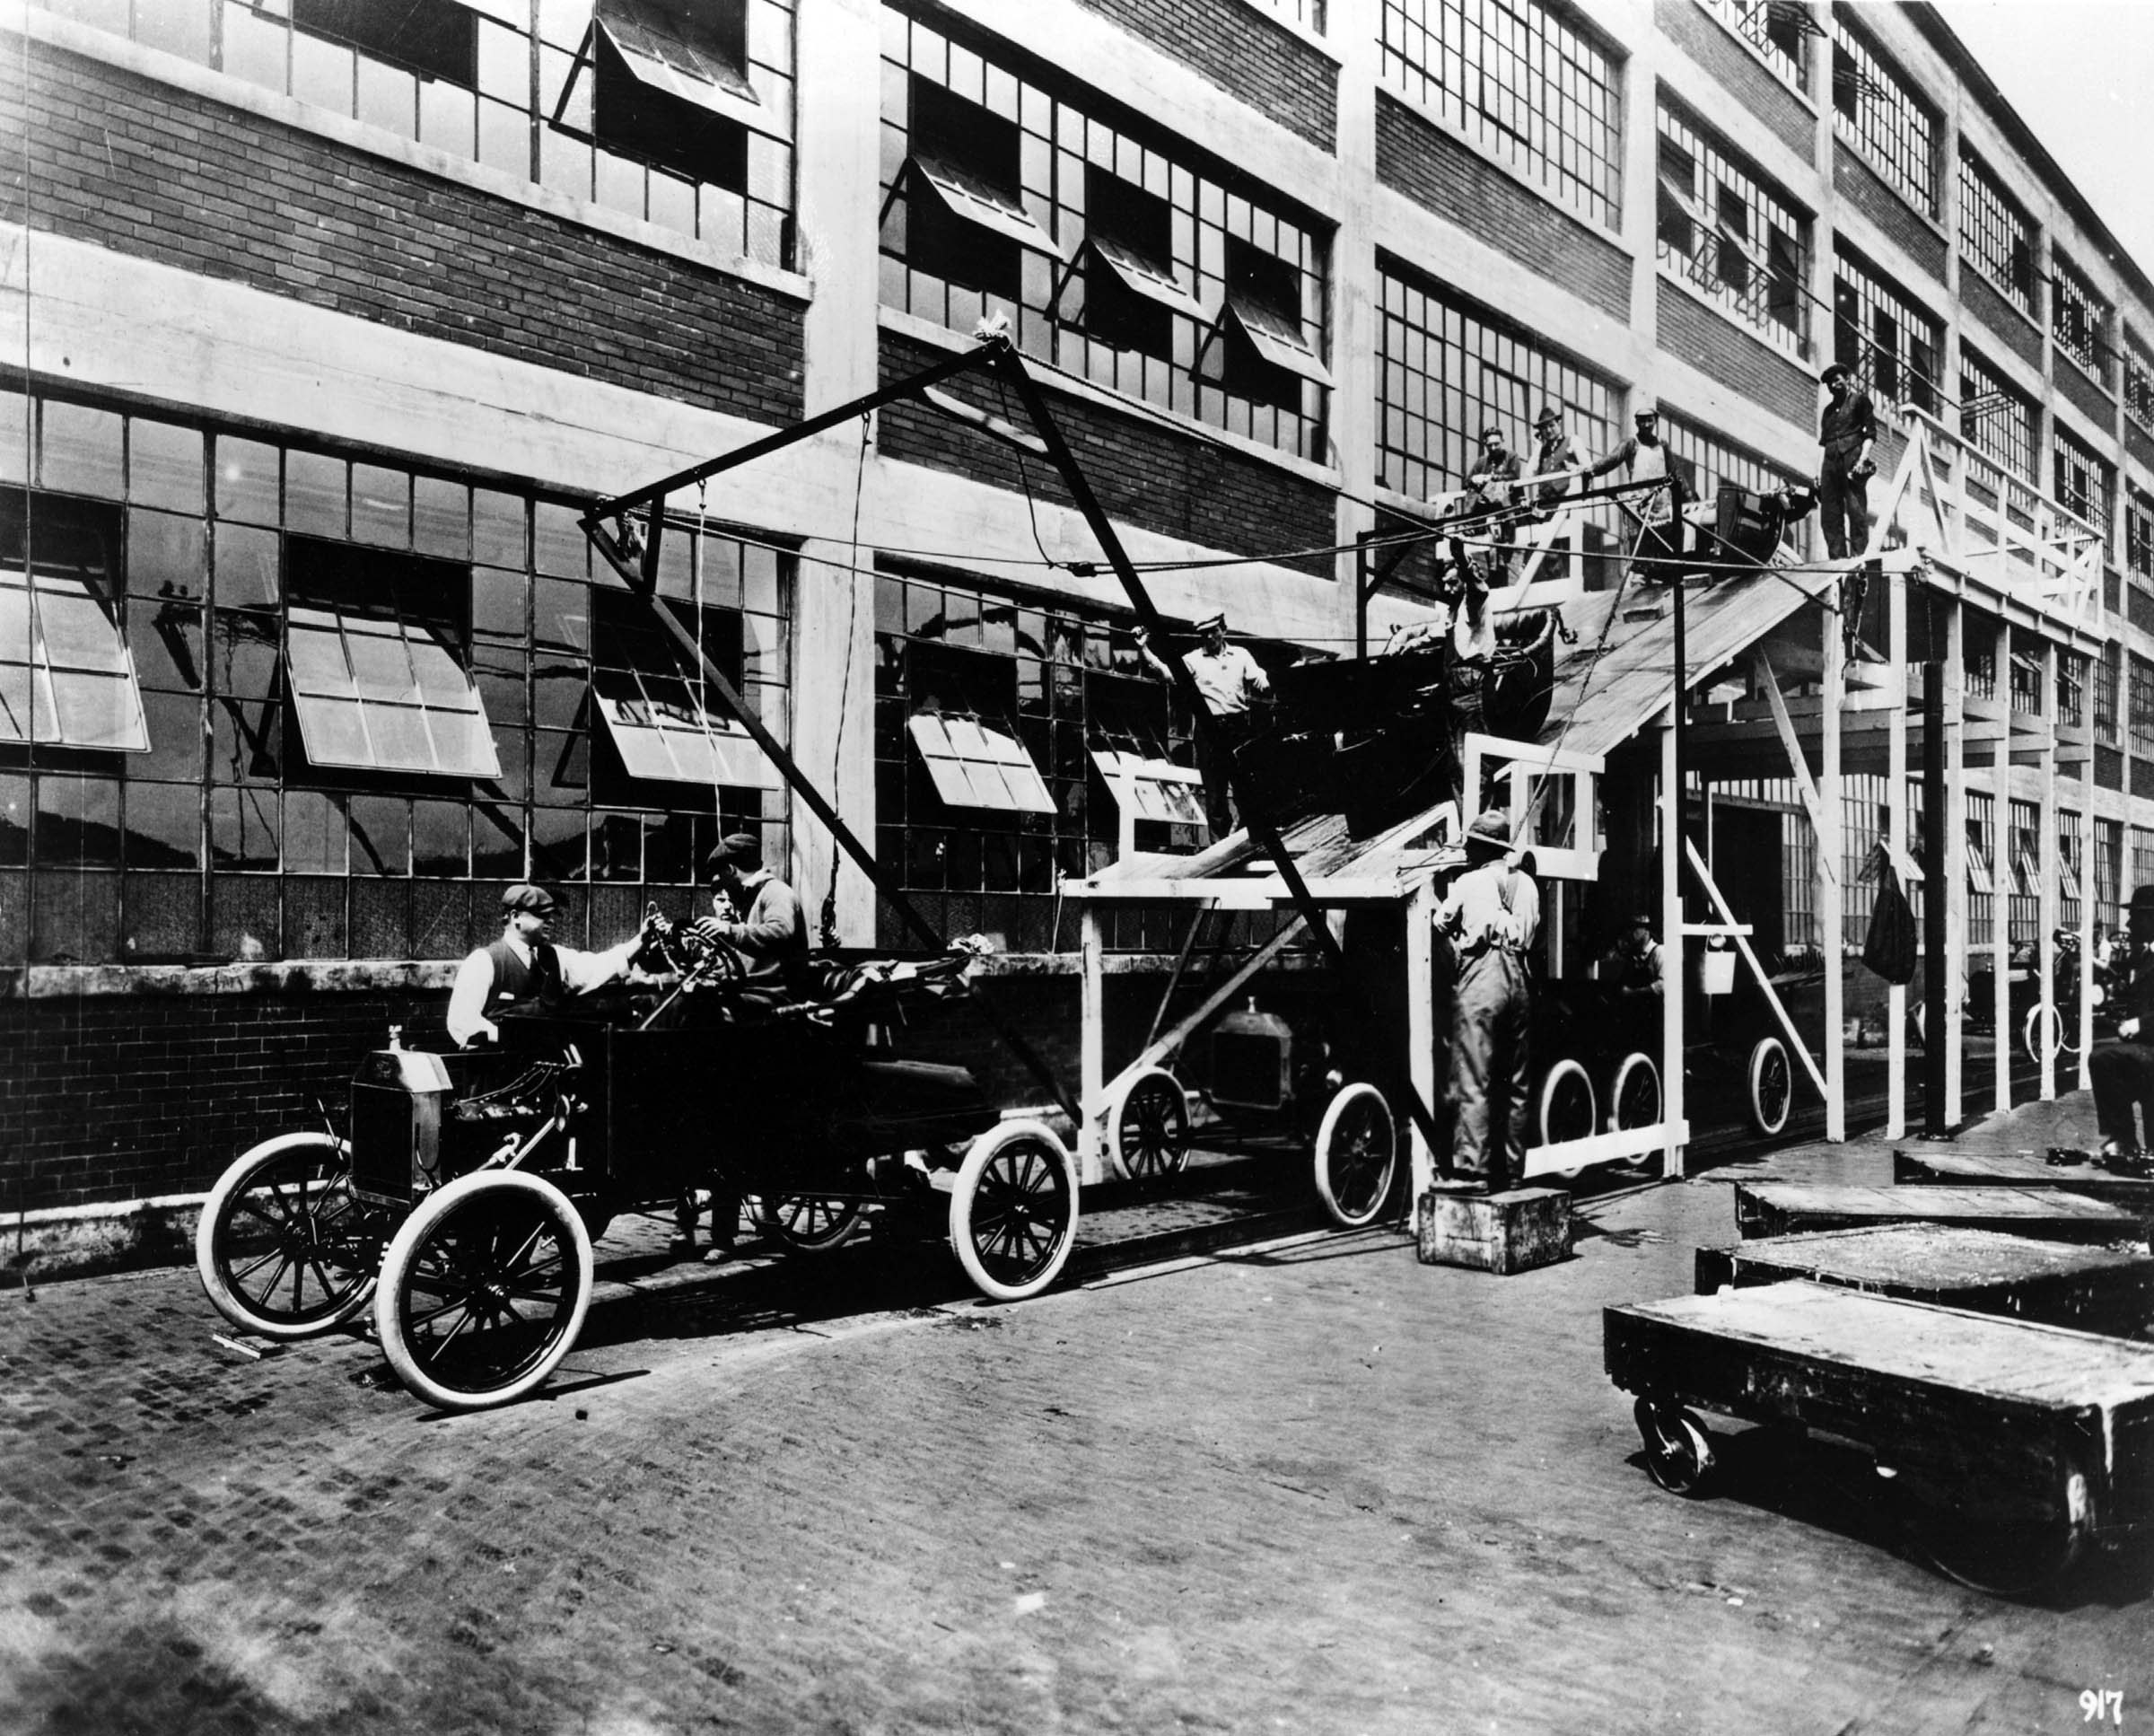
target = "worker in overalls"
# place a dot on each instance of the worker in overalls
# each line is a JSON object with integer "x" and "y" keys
{"x": 2122, "y": 1068}
{"x": 1493, "y": 914}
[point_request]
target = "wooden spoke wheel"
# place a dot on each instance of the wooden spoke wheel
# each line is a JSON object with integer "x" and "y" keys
{"x": 484, "y": 1290}
{"x": 1772, "y": 1085}
{"x": 1568, "y": 1110}
{"x": 1634, "y": 1097}
{"x": 1147, "y": 1128}
{"x": 284, "y": 1247}
{"x": 1678, "y": 1452}
{"x": 1014, "y": 1212}
{"x": 1356, "y": 1155}
{"x": 808, "y": 1223}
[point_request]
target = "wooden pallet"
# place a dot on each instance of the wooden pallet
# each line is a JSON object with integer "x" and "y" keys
{"x": 1951, "y": 1166}
{"x": 2107, "y": 1290}
{"x": 2008, "y": 1445}
{"x": 1775, "y": 1209}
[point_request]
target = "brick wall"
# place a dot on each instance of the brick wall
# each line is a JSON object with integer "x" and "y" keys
{"x": 1756, "y": 90}
{"x": 2109, "y": 767}
{"x": 2092, "y": 401}
{"x": 1741, "y": 362}
{"x": 2143, "y": 777}
{"x": 2138, "y": 442}
{"x": 1998, "y": 316}
{"x": 143, "y": 169}
{"x": 1441, "y": 174}
{"x": 1146, "y": 475}
{"x": 1253, "y": 59}
{"x": 1858, "y": 184}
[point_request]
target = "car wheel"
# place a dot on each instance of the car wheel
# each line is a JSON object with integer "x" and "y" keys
{"x": 284, "y": 1247}
{"x": 1013, "y": 1211}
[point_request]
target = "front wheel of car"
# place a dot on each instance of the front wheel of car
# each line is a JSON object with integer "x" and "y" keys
{"x": 284, "y": 1247}
{"x": 1013, "y": 1211}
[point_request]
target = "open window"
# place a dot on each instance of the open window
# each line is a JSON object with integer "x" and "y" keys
{"x": 670, "y": 85}
{"x": 434, "y": 40}
{"x": 654, "y": 701}
{"x": 1979, "y": 879}
{"x": 1675, "y": 198}
{"x": 67, "y": 677}
{"x": 1122, "y": 287}
{"x": 965, "y": 217}
{"x": 374, "y": 655}
{"x": 1731, "y": 218}
{"x": 1257, "y": 348}
{"x": 962, "y": 705}
{"x": 1128, "y": 741}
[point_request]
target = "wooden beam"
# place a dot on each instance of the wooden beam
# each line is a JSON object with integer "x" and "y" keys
{"x": 1796, "y": 1045}
{"x": 1797, "y": 764}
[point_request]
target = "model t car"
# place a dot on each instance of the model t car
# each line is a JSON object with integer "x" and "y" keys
{"x": 463, "y": 1200}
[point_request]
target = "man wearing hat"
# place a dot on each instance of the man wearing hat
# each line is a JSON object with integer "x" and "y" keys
{"x": 1657, "y": 554}
{"x": 1847, "y": 431}
{"x": 1493, "y": 914}
{"x": 757, "y": 915}
{"x": 1229, "y": 681}
{"x": 2123, "y": 1069}
{"x": 1489, "y": 502}
{"x": 1554, "y": 454}
{"x": 524, "y": 968}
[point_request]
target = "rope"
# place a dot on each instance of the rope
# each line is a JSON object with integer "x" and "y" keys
{"x": 827, "y": 922}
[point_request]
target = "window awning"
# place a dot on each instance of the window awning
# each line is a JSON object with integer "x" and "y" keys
{"x": 1276, "y": 338}
{"x": 975, "y": 766}
{"x": 971, "y": 199}
{"x": 2070, "y": 873}
{"x": 66, "y": 674}
{"x": 1140, "y": 276}
{"x": 1978, "y": 870}
{"x": 662, "y": 731}
{"x": 1159, "y": 788}
{"x": 659, "y": 54}
{"x": 383, "y": 694}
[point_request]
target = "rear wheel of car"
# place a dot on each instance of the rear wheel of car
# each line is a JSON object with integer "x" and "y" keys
{"x": 1013, "y": 1211}
{"x": 807, "y": 1223}
{"x": 1772, "y": 1085}
{"x": 284, "y": 1247}
{"x": 1148, "y": 1126}
{"x": 1634, "y": 1097}
{"x": 1568, "y": 1110}
{"x": 1356, "y": 1155}
{"x": 484, "y": 1290}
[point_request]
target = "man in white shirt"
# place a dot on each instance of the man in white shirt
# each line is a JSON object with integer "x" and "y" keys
{"x": 1656, "y": 555}
{"x": 1229, "y": 681}
{"x": 1493, "y": 914}
{"x": 524, "y": 968}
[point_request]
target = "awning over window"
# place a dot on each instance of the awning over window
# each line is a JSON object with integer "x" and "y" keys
{"x": 1159, "y": 788}
{"x": 662, "y": 731}
{"x": 66, "y": 674}
{"x": 1276, "y": 338}
{"x": 2071, "y": 875}
{"x": 975, "y": 766}
{"x": 1978, "y": 870}
{"x": 972, "y": 200}
{"x": 660, "y": 53}
{"x": 1141, "y": 276}
{"x": 383, "y": 694}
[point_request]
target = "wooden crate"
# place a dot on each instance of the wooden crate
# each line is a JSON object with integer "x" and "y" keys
{"x": 1776, "y": 1208}
{"x": 1956, "y": 1166}
{"x": 2108, "y": 1290}
{"x": 1502, "y": 1233}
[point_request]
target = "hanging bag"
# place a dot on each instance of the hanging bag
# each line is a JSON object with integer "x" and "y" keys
{"x": 1890, "y": 947}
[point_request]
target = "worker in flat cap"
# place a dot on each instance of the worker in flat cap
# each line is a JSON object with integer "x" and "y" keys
{"x": 1847, "y": 431}
{"x": 757, "y": 915}
{"x": 1657, "y": 549}
{"x": 2122, "y": 1068}
{"x": 1230, "y": 683}
{"x": 1489, "y": 510}
{"x": 523, "y": 968}
{"x": 1492, "y": 917}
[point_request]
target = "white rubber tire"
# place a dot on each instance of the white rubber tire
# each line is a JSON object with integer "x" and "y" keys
{"x": 1566, "y": 1074}
{"x": 1342, "y": 1118}
{"x": 1010, "y": 1171}
{"x": 1635, "y": 1064}
{"x": 1170, "y": 1155}
{"x": 214, "y": 1268}
{"x": 1769, "y": 1071}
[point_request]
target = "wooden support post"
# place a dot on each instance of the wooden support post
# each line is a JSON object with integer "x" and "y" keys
{"x": 1091, "y": 1051}
{"x": 2048, "y": 915}
{"x": 1834, "y": 695}
{"x": 1420, "y": 1025}
{"x": 1954, "y": 855}
{"x": 2090, "y": 884}
{"x": 2000, "y": 899}
{"x": 1672, "y": 949}
{"x": 1895, "y": 831}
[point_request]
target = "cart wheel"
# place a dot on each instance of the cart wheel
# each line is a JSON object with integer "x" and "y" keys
{"x": 1568, "y": 1109}
{"x": 283, "y": 1247}
{"x": 1678, "y": 1452}
{"x": 1634, "y": 1097}
{"x": 1148, "y": 1126}
{"x": 1014, "y": 1212}
{"x": 2000, "y": 1559}
{"x": 484, "y": 1290}
{"x": 1772, "y": 1085}
{"x": 808, "y": 1223}
{"x": 1356, "y": 1155}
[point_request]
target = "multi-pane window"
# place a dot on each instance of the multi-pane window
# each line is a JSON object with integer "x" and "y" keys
{"x": 367, "y": 698}
{"x": 2140, "y": 718}
{"x": 1037, "y": 681}
{"x": 2139, "y": 534}
{"x": 67, "y": 677}
{"x": 1724, "y": 231}
{"x": 1449, "y": 370}
{"x": 1108, "y": 256}
{"x": 2142, "y": 857}
{"x": 1778, "y": 29}
{"x": 2138, "y": 385}
{"x": 1523, "y": 79}
{"x": 1311, "y": 14}
{"x": 2026, "y": 694}
{"x": 2108, "y": 680}
{"x": 2079, "y": 317}
{"x": 1981, "y": 880}
{"x": 2022, "y": 871}
{"x": 2071, "y": 689}
{"x": 1995, "y": 418}
{"x": 1978, "y": 658}
{"x": 680, "y": 115}
{"x": 1874, "y": 107}
{"x": 1995, "y": 233}
{"x": 2071, "y": 870}
{"x": 1892, "y": 345}
{"x": 2084, "y": 483}
{"x": 1715, "y": 464}
{"x": 2109, "y": 872}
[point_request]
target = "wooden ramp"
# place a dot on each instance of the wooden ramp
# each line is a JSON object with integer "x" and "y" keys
{"x": 1952, "y": 1166}
{"x": 2007, "y": 1447}
{"x": 2106, "y": 1290}
{"x": 1777, "y": 1208}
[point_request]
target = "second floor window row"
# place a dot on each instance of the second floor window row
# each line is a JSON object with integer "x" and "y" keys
{"x": 1722, "y": 229}
{"x": 1892, "y": 343}
{"x": 1996, "y": 234}
{"x": 1996, "y": 419}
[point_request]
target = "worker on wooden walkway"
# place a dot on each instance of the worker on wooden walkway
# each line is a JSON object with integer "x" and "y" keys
{"x": 1493, "y": 914}
{"x": 2123, "y": 1069}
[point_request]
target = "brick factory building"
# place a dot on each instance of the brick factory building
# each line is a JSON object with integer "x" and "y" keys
{"x": 324, "y": 320}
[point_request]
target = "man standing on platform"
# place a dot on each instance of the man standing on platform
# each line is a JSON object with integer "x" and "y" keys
{"x": 1491, "y": 505}
{"x": 1493, "y": 914}
{"x": 2123, "y": 1069}
{"x": 1229, "y": 681}
{"x": 1553, "y": 454}
{"x": 1657, "y": 553}
{"x": 1847, "y": 431}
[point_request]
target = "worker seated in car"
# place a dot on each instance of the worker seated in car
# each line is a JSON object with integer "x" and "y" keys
{"x": 523, "y": 968}
{"x": 759, "y": 916}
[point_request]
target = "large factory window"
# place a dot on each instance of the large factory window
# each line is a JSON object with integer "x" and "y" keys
{"x": 1778, "y": 29}
{"x": 1874, "y": 107}
{"x": 2139, "y": 721}
{"x": 1717, "y": 464}
{"x": 1995, "y": 233}
{"x": 2079, "y": 317}
{"x": 1758, "y": 258}
{"x": 1123, "y": 286}
{"x": 2139, "y": 534}
{"x": 2084, "y": 484}
{"x": 1995, "y": 418}
{"x": 664, "y": 723}
{"x": 1981, "y": 885}
{"x": 2108, "y": 867}
{"x": 66, "y": 676}
{"x": 2138, "y": 384}
{"x": 1892, "y": 345}
{"x": 2023, "y": 900}
{"x": 1259, "y": 347}
{"x": 432, "y": 41}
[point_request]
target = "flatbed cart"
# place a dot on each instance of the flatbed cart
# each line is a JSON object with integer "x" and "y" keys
{"x": 2010, "y": 1449}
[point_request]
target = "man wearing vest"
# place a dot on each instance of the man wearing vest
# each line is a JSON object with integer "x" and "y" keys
{"x": 1847, "y": 429}
{"x": 1493, "y": 914}
{"x": 524, "y": 968}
